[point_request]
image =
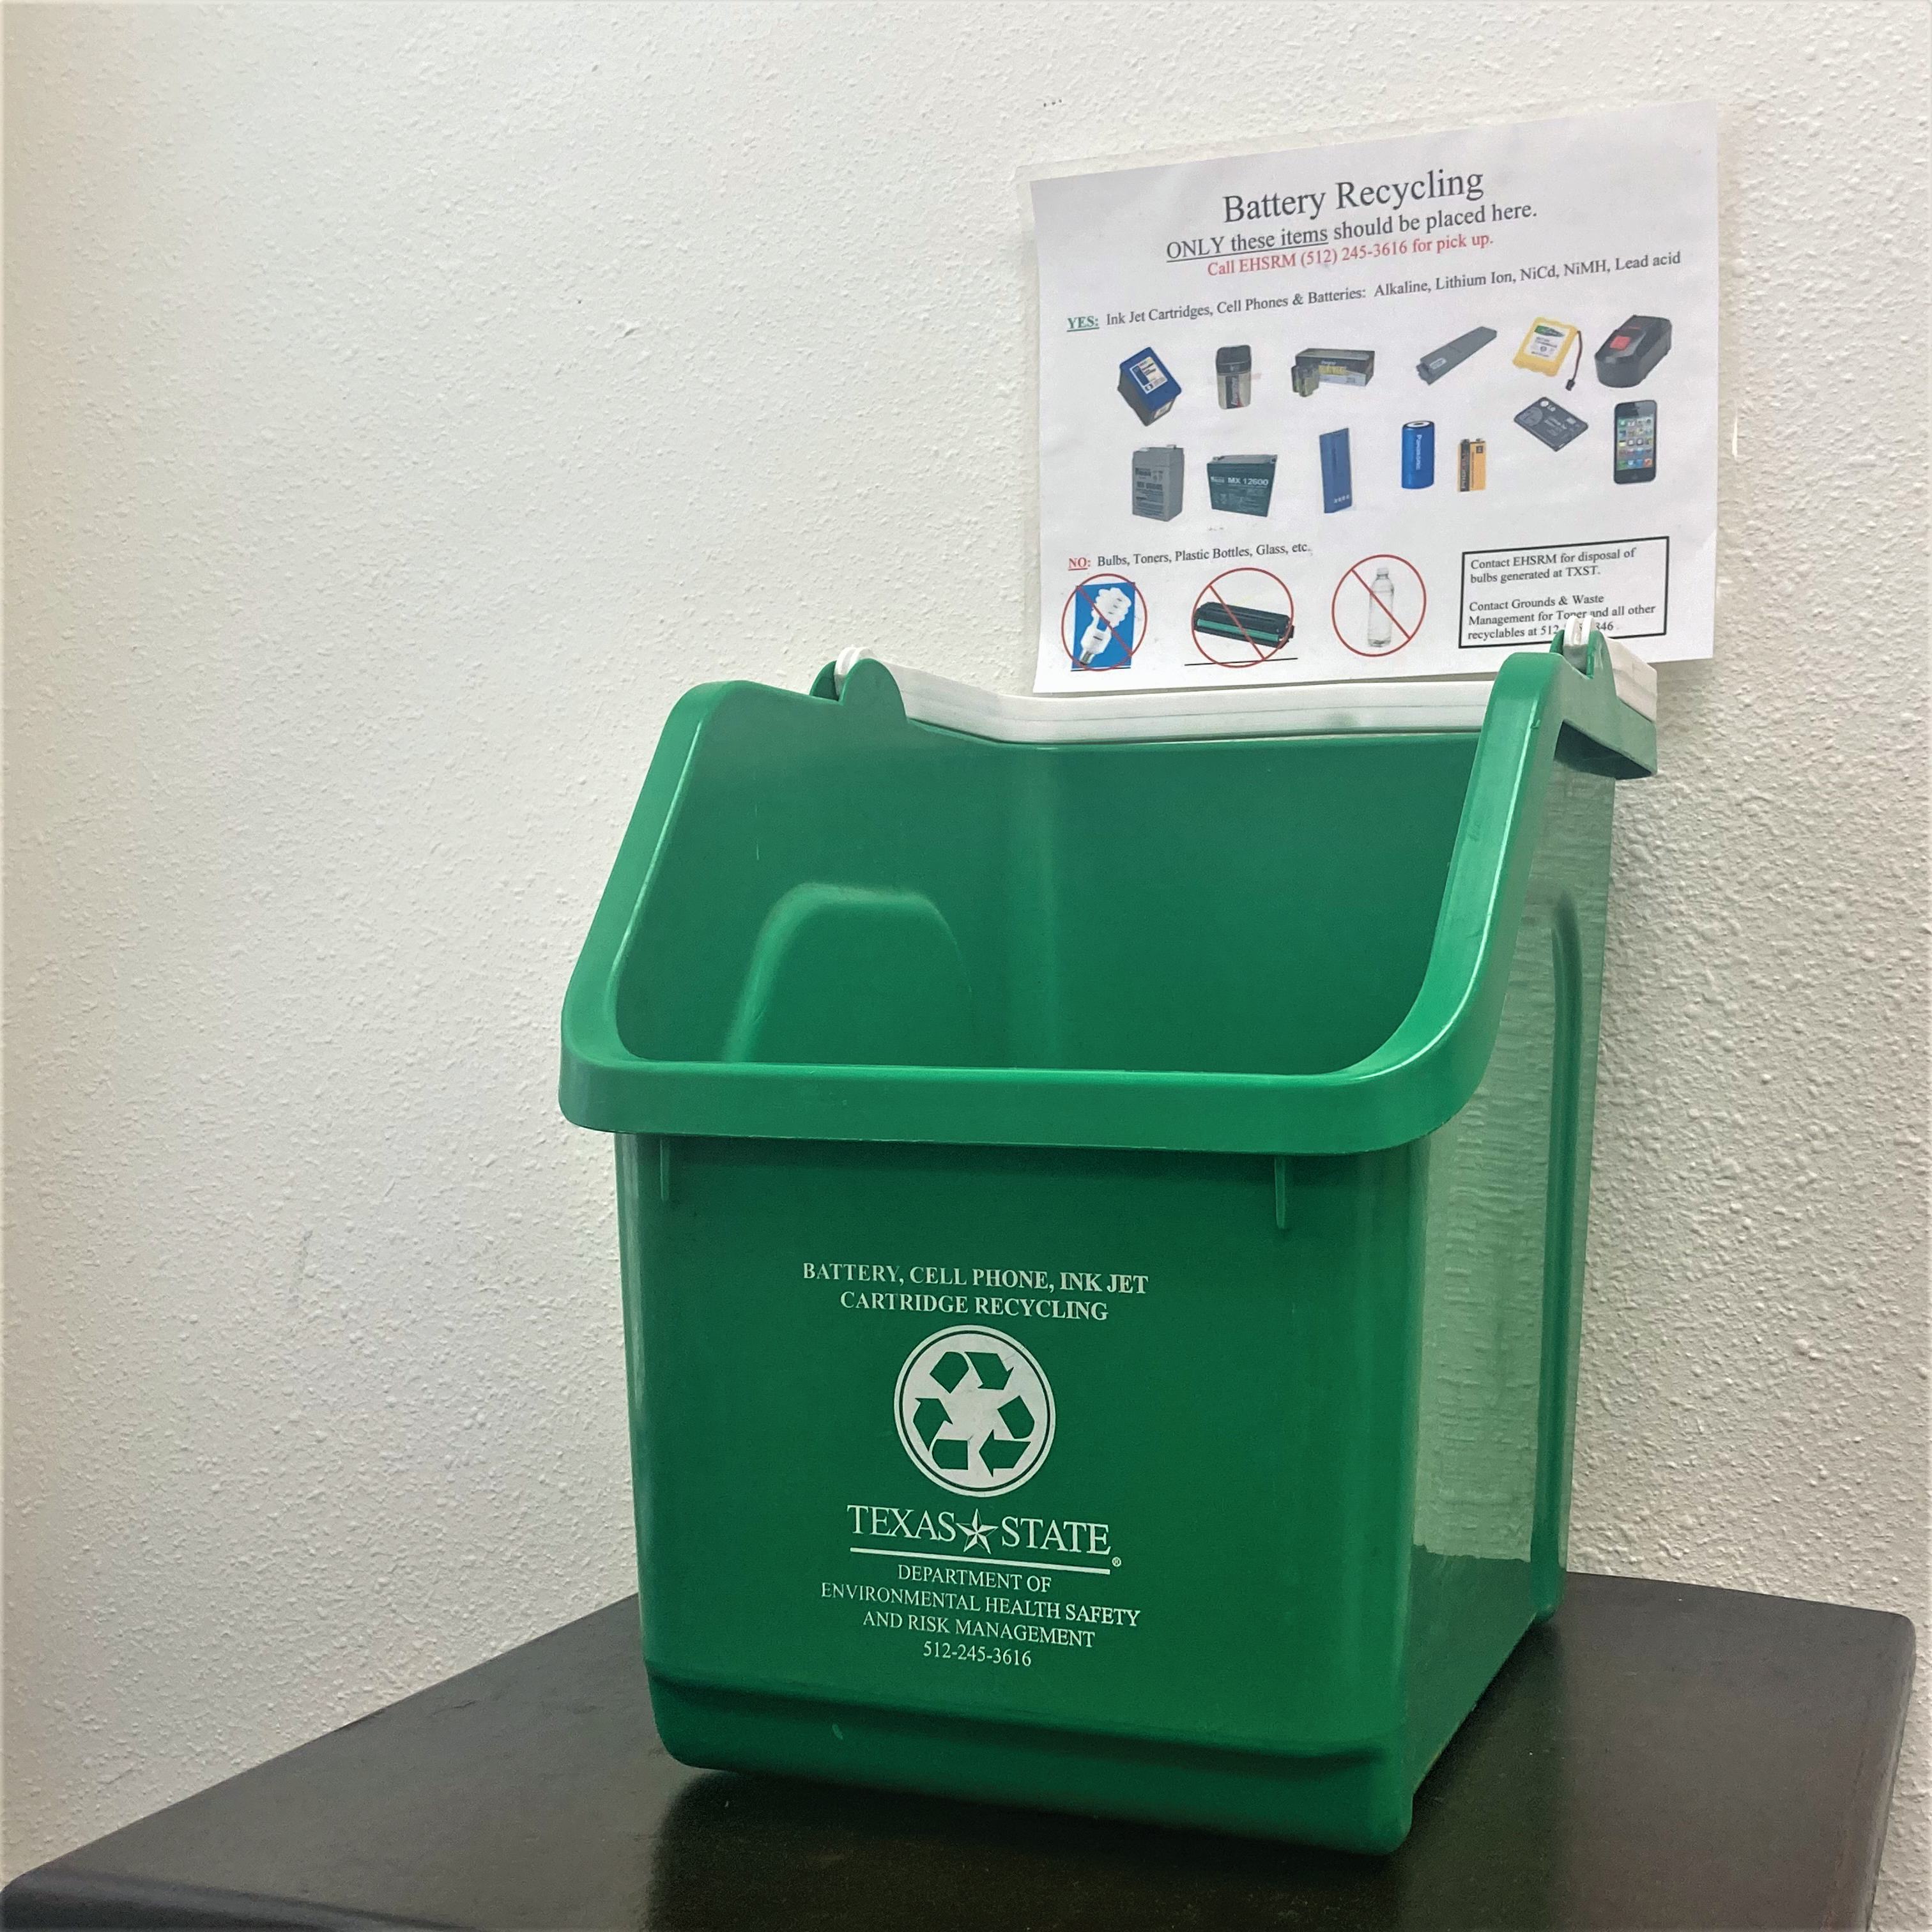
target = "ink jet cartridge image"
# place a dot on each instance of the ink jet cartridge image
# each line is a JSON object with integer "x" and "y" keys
{"x": 1147, "y": 387}
{"x": 1233, "y": 376}
{"x": 1338, "y": 484}
{"x": 1159, "y": 474}
{"x": 1244, "y": 484}
{"x": 1418, "y": 455}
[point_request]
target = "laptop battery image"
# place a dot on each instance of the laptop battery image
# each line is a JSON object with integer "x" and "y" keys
{"x": 1439, "y": 361}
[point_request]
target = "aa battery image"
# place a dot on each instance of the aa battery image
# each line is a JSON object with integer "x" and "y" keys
{"x": 1418, "y": 455}
{"x": 1472, "y": 457}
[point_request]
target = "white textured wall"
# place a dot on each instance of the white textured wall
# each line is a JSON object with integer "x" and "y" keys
{"x": 405, "y": 403}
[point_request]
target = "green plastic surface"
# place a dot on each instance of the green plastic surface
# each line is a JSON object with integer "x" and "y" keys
{"x": 1243, "y": 1089}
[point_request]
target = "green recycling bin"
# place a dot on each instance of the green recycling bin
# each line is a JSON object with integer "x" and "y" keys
{"x": 1101, "y": 1188}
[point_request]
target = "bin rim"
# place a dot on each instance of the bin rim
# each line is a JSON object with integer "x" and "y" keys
{"x": 1436, "y": 704}
{"x": 1542, "y": 705}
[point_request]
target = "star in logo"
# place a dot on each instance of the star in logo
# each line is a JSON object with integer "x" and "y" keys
{"x": 976, "y": 1533}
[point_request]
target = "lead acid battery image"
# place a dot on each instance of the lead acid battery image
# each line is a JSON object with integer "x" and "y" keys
{"x": 1158, "y": 475}
{"x": 1243, "y": 484}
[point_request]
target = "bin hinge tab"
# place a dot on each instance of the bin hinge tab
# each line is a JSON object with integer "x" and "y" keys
{"x": 1281, "y": 1193}
{"x": 664, "y": 1167}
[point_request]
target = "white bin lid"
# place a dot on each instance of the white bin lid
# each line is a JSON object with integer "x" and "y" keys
{"x": 1247, "y": 711}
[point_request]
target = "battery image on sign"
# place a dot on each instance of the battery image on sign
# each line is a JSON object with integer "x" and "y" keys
{"x": 1233, "y": 376}
{"x": 1106, "y": 616}
{"x": 1243, "y": 485}
{"x": 1632, "y": 350}
{"x": 1353, "y": 368}
{"x": 1418, "y": 455}
{"x": 1550, "y": 422}
{"x": 1160, "y": 474}
{"x": 1338, "y": 479}
{"x": 1547, "y": 345}
{"x": 1438, "y": 362}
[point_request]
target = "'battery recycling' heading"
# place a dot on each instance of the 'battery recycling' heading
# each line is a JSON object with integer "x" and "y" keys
{"x": 1308, "y": 204}
{"x": 1363, "y": 197}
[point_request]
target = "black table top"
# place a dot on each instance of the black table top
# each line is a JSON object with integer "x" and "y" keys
{"x": 1657, "y": 1755}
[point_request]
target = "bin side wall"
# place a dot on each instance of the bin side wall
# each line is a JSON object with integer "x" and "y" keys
{"x": 1578, "y": 841}
{"x": 1508, "y": 1198}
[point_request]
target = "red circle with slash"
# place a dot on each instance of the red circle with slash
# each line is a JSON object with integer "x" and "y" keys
{"x": 1262, "y": 653}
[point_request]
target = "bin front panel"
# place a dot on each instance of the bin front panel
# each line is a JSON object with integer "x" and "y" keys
{"x": 1072, "y": 1438}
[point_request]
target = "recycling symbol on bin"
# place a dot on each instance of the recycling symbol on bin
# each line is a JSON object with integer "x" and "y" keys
{"x": 974, "y": 1411}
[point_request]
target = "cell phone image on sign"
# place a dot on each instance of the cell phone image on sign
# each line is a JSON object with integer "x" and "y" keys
{"x": 1635, "y": 443}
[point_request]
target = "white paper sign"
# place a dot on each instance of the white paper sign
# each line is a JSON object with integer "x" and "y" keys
{"x": 1389, "y": 409}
